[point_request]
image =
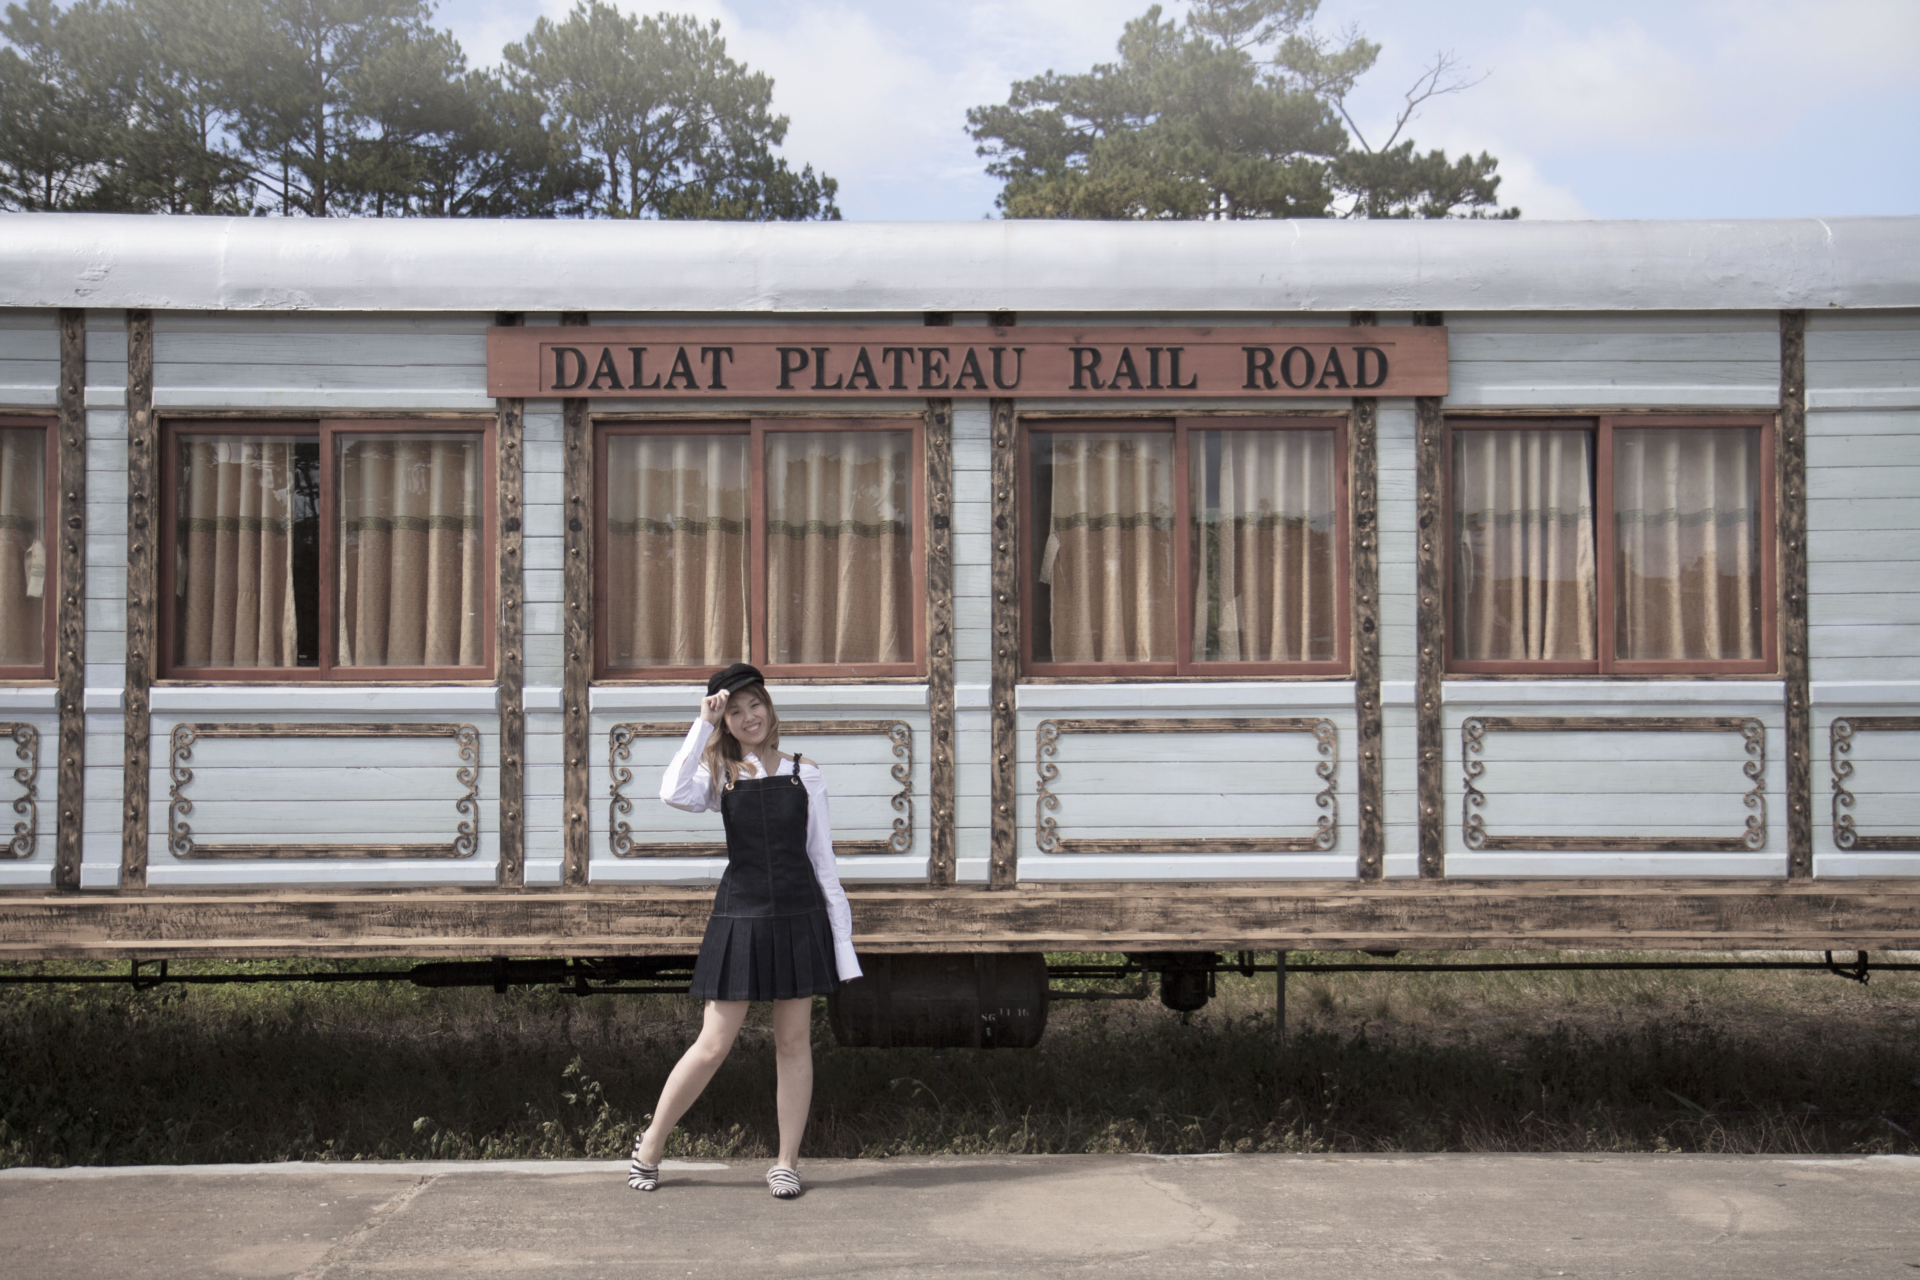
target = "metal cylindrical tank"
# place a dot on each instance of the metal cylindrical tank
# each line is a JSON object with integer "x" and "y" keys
{"x": 943, "y": 1002}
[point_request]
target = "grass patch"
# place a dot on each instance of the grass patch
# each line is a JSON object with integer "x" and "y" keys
{"x": 1570, "y": 1061}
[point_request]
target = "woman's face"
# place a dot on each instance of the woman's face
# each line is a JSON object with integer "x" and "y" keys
{"x": 747, "y": 719}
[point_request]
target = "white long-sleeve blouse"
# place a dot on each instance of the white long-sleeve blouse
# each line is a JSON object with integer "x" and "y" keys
{"x": 688, "y": 785}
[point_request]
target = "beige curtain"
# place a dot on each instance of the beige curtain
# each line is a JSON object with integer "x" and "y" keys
{"x": 1523, "y": 566}
{"x": 1263, "y": 549}
{"x": 1686, "y": 508}
{"x": 410, "y": 565}
{"x": 23, "y": 548}
{"x": 676, "y": 550}
{"x": 839, "y": 547}
{"x": 233, "y": 580}
{"x": 1107, "y": 560}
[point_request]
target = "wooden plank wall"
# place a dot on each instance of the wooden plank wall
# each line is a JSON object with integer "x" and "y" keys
{"x": 299, "y": 365}
{"x": 1862, "y": 376}
{"x": 108, "y": 368}
{"x": 30, "y": 381}
{"x": 972, "y": 638}
{"x": 1863, "y": 550}
{"x": 1587, "y": 363}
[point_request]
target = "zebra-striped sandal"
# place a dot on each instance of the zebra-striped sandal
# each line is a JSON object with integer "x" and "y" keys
{"x": 783, "y": 1182}
{"x": 642, "y": 1177}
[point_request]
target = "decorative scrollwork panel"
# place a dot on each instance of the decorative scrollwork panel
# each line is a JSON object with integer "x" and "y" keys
{"x": 26, "y": 805}
{"x": 1473, "y": 823}
{"x": 1846, "y": 834}
{"x": 466, "y": 833}
{"x": 1326, "y": 832}
{"x": 620, "y": 831}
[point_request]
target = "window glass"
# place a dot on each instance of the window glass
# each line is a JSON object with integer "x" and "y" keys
{"x": 246, "y": 574}
{"x": 839, "y": 547}
{"x": 1523, "y": 556}
{"x": 410, "y": 573}
{"x": 1262, "y": 553}
{"x": 1686, "y": 512}
{"x": 23, "y": 547}
{"x": 676, "y": 550}
{"x": 1104, "y": 510}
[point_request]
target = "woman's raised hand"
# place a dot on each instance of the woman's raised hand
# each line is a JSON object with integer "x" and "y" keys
{"x": 714, "y": 706}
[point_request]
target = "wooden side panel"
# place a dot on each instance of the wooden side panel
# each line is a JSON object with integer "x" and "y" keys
{"x": 1399, "y": 610}
{"x": 1003, "y": 693}
{"x": 143, "y": 520}
{"x": 509, "y": 440}
{"x": 543, "y": 552}
{"x": 1535, "y": 359}
{"x": 1863, "y": 497}
{"x": 941, "y": 855}
{"x": 1257, "y": 790}
{"x": 877, "y": 775}
{"x": 1863, "y": 360}
{"x": 103, "y": 815}
{"x": 311, "y": 360}
{"x": 29, "y": 772}
{"x": 972, "y": 639}
{"x": 577, "y": 680}
{"x": 70, "y": 628}
{"x": 1645, "y": 788}
{"x": 334, "y": 799}
{"x": 29, "y": 359}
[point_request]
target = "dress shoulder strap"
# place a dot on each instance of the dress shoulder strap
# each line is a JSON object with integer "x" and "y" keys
{"x": 796, "y": 766}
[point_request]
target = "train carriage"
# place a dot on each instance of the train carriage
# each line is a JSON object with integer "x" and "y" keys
{"x": 1161, "y": 588}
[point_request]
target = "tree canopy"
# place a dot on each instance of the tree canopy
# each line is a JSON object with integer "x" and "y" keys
{"x": 330, "y": 107}
{"x": 1239, "y": 112}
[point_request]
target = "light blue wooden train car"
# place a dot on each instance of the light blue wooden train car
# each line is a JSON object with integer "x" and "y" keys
{"x": 357, "y": 578}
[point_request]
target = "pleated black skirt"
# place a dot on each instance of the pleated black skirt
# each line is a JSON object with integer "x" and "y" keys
{"x": 766, "y": 957}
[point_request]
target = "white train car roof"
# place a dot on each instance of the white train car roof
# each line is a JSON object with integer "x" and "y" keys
{"x": 346, "y": 265}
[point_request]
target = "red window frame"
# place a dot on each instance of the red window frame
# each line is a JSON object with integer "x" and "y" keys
{"x": 1602, "y": 426}
{"x": 328, "y": 431}
{"x": 50, "y": 591}
{"x": 756, "y": 431}
{"x": 1184, "y": 666}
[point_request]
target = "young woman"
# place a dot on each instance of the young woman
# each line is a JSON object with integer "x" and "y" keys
{"x": 780, "y": 930}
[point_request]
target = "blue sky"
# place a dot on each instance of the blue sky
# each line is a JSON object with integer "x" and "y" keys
{"x": 1632, "y": 109}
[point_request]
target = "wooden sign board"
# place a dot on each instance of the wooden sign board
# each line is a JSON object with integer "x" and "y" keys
{"x": 1055, "y": 363}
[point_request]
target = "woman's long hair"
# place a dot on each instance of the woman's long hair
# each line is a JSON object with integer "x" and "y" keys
{"x": 724, "y": 756}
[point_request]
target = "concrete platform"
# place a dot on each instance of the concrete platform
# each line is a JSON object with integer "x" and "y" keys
{"x": 1303, "y": 1217}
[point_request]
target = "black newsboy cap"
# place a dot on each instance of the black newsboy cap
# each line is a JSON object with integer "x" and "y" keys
{"x": 737, "y": 676}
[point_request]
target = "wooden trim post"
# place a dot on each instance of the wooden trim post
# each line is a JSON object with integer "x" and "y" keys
{"x": 1363, "y": 507}
{"x": 70, "y": 636}
{"x": 143, "y": 515}
{"x": 1003, "y": 691}
{"x": 938, "y": 437}
{"x": 577, "y": 673}
{"x": 1791, "y": 465}
{"x": 509, "y": 481}
{"x": 1429, "y": 461}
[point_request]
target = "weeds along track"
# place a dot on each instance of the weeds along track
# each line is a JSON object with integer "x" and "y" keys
{"x": 1512, "y": 1061}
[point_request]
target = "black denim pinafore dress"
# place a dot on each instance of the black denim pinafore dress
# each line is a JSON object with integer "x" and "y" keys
{"x": 768, "y": 937}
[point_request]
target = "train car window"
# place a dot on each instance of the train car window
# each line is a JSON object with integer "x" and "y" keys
{"x": 1639, "y": 545}
{"x": 27, "y": 562}
{"x": 345, "y": 550}
{"x": 789, "y": 543}
{"x": 1195, "y": 547}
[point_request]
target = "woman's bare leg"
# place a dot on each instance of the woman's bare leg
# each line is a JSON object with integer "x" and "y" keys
{"x": 691, "y": 1074}
{"x": 793, "y": 1061}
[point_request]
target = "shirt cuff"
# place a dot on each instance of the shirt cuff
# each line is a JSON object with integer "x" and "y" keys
{"x": 845, "y": 961}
